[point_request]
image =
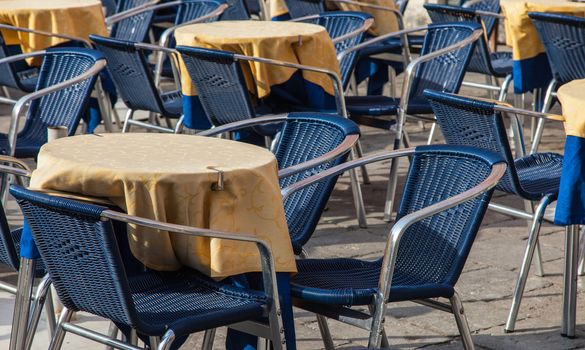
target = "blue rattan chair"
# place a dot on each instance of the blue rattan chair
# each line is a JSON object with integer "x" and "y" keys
{"x": 536, "y": 177}
{"x": 302, "y": 8}
{"x": 444, "y": 200}
{"x": 491, "y": 64}
{"x": 563, "y": 38}
{"x": 134, "y": 80}
{"x": 78, "y": 244}
{"x": 308, "y": 144}
{"x": 131, "y": 21}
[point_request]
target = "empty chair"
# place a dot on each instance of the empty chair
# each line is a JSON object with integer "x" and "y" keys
{"x": 134, "y": 80}
{"x": 493, "y": 65}
{"x": 536, "y": 177}
{"x": 444, "y": 200}
{"x": 131, "y": 21}
{"x": 70, "y": 234}
{"x": 562, "y": 37}
{"x": 302, "y": 8}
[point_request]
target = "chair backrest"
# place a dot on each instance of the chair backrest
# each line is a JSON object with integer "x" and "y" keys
{"x": 80, "y": 252}
{"x": 237, "y": 11}
{"x": 302, "y": 8}
{"x": 480, "y": 61}
{"x": 8, "y": 75}
{"x": 339, "y": 24}
{"x": 134, "y": 28}
{"x": 193, "y": 9}
{"x": 8, "y": 253}
{"x": 445, "y": 72}
{"x": 492, "y": 6}
{"x": 306, "y": 136}
{"x": 469, "y": 122}
{"x": 131, "y": 73}
{"x": 436, "y": 248}
{"x": 563, "y": 38}
{"x": 220, "y": 84}
{"x": 66, "y": 106}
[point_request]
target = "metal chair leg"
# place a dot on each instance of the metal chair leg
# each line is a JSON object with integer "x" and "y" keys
{"x": 57, "y": 341}
{"x": 537, "y": 253}
{"x": 548, "y": 98}
{"x": 525, "y": 268}
{"x": 504, "y": 88}
{"x": 113, "y": 333}
{"x": 581, "y": 269}
{"x": 127, "y": 123}
{"x": 358, "y": 198}
{"x": 50, "y": 313}
{"x": 379, "y": 312}
{"x": 133, "y": 337}
{"x": 154, "y": 341}
{"x": 325, "y": 333}
{"x": 431, "y": 138}
{"x": 39, "y": 301}
{"x": 22, "y": 303}
{"x": 208, "y": 339}
{"x": 461, "y": 319}
{"x": 104, "y": 105}
{"x": 167, "y": 340}
{"x": 360, "y": 153}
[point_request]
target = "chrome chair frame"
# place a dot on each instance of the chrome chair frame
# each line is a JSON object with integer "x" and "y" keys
{"x": 129, "y": 13}
{"x": 273, "y": 331}
{"x": 374, "y": 321}
{"x": 401, "y": 135}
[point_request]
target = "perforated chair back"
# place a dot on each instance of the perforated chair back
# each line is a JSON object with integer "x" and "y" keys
{"x": 66, "y": 106}
{"x": 470, "y": 122}
{"x": 193, "y": 9}
{"x": 302, "y": 8}
{"x": 220, "y": 84}
{"x": 81, "y": 254}
{"x": 306, "y": 136}
{"x": 435, "y": 249}
{"x": 563, "y": 38}
{"x": 236, "y": 11}
{"x": 480, "y": 61}
{"x": 131, "y": 74}
{"x": 8, "y": 71}
{"x": 492, "y": 6}
{"x": 339, "y": 24}
{"x": 445, "y": 72}
{"x": 134, "y": 28}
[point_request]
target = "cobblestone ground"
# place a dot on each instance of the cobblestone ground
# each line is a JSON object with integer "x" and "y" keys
{"x": 485, "y": 286}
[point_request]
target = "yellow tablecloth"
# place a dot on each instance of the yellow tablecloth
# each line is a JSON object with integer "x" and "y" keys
{"x": 78, "y": 18}
{"x": 168, "y": 178}
{"x": 521, "y": 34}
{"x": 300, "y": 43}
{"x": 384, "y": 21}
{"x": 572, "y": 98}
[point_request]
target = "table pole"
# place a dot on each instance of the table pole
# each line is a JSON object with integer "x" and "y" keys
{"x": 22, "y": 303}
{"x": 570, "y": 281}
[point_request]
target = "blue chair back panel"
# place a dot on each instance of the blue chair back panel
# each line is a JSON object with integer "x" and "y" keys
{"x": 563, "y": 38}
{"x": 8, "y": 76}
{"x": 131, "y": 74}
{"x": 480, "y": 60}
{"x": 445, "y": 72}
{"x": 220, "y": 84}
{"x": 193, "y": 9}
{"x": 66, "y": 106}
{"x": 306, "y": 136}
{"x": 235, "y": 12}
{"x": 134, "y": 28}
{"x": 302, "y": 8}
{"x": 339, "y": 24}
{"x": 436, "y": 248}
{"x": 492, "y": 6}
{"x": 80, "y": 253}
{"x": 469, "y": 122}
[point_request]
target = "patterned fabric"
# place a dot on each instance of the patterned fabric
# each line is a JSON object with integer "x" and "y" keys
{"x": 158, "y": 176}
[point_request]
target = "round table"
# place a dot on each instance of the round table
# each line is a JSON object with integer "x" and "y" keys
{"x": 78, "y": 18}
{"x": 170, "y": 178}
{"x": 531, "y": 68}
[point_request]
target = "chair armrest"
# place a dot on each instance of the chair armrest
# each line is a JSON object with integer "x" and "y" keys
{"x": 149, "y": 6}
{"x": 266, "y": 257}
{"x": 394, "y": 11}
{"x": 533, "y": 114}
{"x": 335, "y": 79}
{"x": 277, "y": 118}
{"x": 13, "y": 166}
{"x": 367, "y": 24}
{"x": 85, "y": 42}
{"x": 341, "y": 168}
{"x": 25, "y": 100}
{"x": 490, "y": 14}
{"x": 344, "y": 147}
{"x": 174, "y": 61}
{"x": 400, "y": 227}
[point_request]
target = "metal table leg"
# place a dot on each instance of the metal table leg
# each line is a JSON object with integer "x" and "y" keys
{"x": 570, "y": 281}
{"x": 22, "y": 304}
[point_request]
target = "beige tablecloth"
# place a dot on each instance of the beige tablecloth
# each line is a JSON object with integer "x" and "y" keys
{"x": 300, "y": 43}
{"x": 168, "y": 178}
{"x": 572, "y": 98}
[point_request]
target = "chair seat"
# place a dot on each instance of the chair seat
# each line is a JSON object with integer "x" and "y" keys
{"x": 173, "y": 103}
{"x": 40, "y": 269}
{"x": 539, "y": 173}
{"x": 28, "y": 79}
{"x": 502, "y": 63}
{"x": 188, "y": 302}
{"x": 355, "y": 282}
{"x": 27, "y": 145}
{"x": 392, "y": 45}
{"x": 382, "y": 105}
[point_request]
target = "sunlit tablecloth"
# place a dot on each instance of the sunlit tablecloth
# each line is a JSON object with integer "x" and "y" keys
{"x": 168, "y": 178}
{"x": 531, "y": 68}
{"x": 78, "y": 18}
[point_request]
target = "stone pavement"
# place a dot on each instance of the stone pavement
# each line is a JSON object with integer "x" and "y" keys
{"x": 485, "y": 286}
